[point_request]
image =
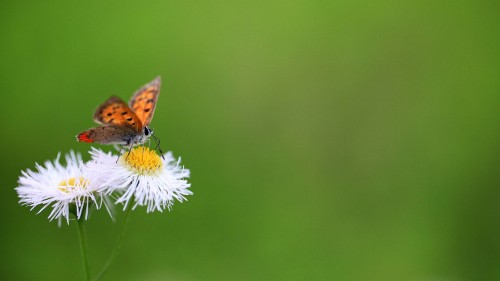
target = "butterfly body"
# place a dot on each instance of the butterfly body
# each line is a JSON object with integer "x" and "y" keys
{"x": 124, "y": 124}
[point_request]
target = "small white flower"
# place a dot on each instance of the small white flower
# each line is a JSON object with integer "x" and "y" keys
{"x": 141, "y": 175}
{"x": 64, "y": 188}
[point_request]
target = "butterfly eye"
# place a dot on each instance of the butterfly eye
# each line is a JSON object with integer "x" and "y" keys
{"x": 147, "y": 131}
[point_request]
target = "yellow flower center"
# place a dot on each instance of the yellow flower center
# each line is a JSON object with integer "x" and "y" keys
{"x": 69, "y": 184}
{"x": 142, "y": 160}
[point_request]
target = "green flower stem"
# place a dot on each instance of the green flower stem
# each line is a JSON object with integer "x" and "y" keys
{"x": 83, "y": 246}
{"x": 118, "y": 244}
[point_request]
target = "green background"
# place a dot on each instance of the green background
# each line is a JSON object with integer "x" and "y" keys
{"x": 328, "y": 140}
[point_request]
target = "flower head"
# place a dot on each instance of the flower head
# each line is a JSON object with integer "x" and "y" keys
{"x": 66, "y": 189}
{"x": 141, "y": 176}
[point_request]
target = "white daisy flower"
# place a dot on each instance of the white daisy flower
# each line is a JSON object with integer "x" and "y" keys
{"x": 66, "y": 189}
{"x": 142, "y": 176}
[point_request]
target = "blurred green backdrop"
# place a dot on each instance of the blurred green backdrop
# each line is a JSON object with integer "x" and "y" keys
{"x": 328, "y": 140}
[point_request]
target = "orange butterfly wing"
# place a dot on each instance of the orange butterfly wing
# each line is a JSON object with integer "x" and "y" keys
{"x": 116, "y": 112}
{"x": 143, "y": 102}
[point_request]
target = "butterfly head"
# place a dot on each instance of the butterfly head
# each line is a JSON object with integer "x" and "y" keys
{"x": 142, "y": 138}
{"x": 148, "y": 131}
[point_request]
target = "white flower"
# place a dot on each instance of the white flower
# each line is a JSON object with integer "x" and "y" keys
{"x": 142, "y": 176}
{"x": 65, "y": 189}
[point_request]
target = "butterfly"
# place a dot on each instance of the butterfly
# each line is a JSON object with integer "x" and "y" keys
{"x": 124, "y": 124}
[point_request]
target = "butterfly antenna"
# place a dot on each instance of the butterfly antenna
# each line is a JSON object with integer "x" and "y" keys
{"x": 158, "y": 146}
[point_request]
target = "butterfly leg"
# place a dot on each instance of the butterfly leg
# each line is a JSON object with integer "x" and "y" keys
{"x": 120, "y": 153}
{"x": 129, "y": 150}
{"x": 120, "y": 147}
{"x": 130, "y": 145}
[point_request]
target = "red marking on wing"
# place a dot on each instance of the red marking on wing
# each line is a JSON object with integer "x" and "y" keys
{"x": 84, "y": 137}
